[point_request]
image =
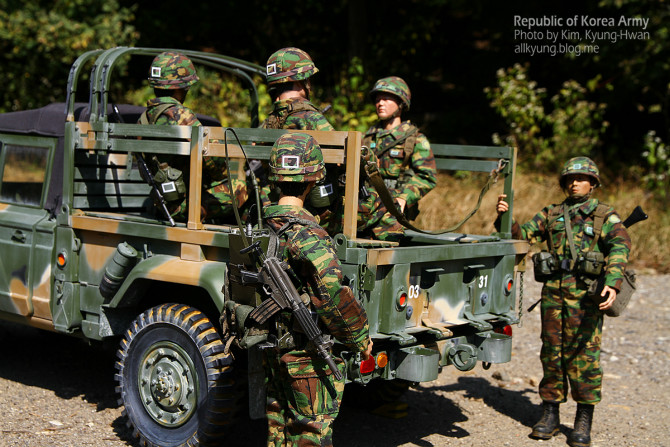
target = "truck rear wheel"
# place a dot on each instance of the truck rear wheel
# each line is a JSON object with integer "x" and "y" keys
{"x": 174, "y": 378}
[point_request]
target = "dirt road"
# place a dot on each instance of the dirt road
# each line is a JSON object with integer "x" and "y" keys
{"x": 57, "y": 391}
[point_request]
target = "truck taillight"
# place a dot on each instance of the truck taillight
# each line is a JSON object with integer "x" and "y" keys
{"x": 61, "y": 260}
{"x": 507, "y": 330}
{"x": 382, "y": 359}
{"x": 508, "y": 285}
{"x": 367, "y": 366}
{"x": 401, "y": 301}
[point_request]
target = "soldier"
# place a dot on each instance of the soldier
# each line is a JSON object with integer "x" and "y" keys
{"x": 289, "y": 72}
{"x": 406, "y": 162}
{"x": 303, "y": 395}
{"x": 571, "y": 319}
{"x": 171, "y": 75}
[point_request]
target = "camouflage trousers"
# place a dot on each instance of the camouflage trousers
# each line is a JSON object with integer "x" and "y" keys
{"x": 216, "y": 203}
{"x": 571, "y": 337}
{"x": 303, "y": 399}
{"x": 376, "y": 221}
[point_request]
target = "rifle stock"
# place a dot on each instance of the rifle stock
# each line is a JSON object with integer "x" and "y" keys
{"x": 637, "y": 215}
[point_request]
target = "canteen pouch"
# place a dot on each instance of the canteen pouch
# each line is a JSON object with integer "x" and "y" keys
{"x": 171, "y": 183}
{"x": 544, "y": 265}
{"x": 628, "y": 287}
{"x": 591, "y": 263}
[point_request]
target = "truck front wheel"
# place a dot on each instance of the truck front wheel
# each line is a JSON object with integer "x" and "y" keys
{"x": 174, "y": 378}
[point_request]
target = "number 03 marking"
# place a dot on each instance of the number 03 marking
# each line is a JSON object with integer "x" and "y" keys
{"x": 414, "y": 291}
{"x": 483, "y": 281}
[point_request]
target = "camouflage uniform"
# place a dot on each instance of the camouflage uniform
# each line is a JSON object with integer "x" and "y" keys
{"x": 571, "y": 321}
{"x": 303, "y": 396}
{"x": 296, "y": 113}
{"x": 175, "y": 71}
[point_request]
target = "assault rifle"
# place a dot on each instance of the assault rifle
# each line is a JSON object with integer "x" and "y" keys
{"x": 156, "y": 194}
{"x": 282, "y": 294}
{"x": 146, "y": 175}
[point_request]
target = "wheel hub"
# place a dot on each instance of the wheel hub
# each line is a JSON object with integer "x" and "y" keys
{"x": 168, "y": 384}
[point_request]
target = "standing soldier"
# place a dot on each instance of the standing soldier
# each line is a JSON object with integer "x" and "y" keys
{"x": 288, "y": 77}
{"x": 571, "y": 320}
{"x": 303, "y": 394}
{"x": 406, "y": 162}
{"x": 171, "y": 75}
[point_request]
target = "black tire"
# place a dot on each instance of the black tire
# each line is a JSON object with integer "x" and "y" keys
{"x": 167, "y": 350}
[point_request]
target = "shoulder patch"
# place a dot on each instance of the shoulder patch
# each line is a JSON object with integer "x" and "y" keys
{"x": 613, "y": 219}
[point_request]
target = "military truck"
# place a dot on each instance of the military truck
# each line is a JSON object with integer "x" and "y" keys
{"x": 85, "y": 252}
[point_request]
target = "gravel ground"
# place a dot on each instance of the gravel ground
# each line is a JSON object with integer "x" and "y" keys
{"x": 58, "y": 391}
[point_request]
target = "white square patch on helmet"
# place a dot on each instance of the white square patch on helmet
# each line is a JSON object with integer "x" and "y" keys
{"x": 290, "y": 161}
{"x": 271, "y": 69}
{"x": 155, "y": 72}
{"x": 577, "y": 166}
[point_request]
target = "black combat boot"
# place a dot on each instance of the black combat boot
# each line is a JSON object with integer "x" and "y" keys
{"x": 581, "y": 434}
{"x": 548, "y": 424}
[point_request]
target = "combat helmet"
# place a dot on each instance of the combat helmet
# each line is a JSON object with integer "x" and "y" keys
{"x": 171, "y": 70}
{"x": 395, "y": 86}
{"x": 579, "y": 165}
{"x": 289, "y": 65}
{"x": 296, "y": 157}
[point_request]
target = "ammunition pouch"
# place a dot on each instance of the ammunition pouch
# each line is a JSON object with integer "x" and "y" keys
{"x": 628, "y": 287}
{"x": 322, "y": 195}
{"x": 171, "y": 183}
{"x": 545, "y": 264}
{"x": 590, "y": 263}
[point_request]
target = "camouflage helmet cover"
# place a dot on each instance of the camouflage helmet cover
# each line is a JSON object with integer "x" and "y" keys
{"x": 296, "y": 157}
{"x": 579, "y": 165}
{"x": 171, "y": 70}
{"x": 289, "y": 65}
{"x": 395, "y": 86}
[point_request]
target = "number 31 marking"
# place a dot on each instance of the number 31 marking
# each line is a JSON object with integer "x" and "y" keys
{"x": 483, "y": 281}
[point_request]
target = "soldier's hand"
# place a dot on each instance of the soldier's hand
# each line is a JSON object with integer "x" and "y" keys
{"x": 401, "y": 203}
{"x": 610, "y": 293}
{"x": 502, "y": 206}
{"x": 368, "y": 352}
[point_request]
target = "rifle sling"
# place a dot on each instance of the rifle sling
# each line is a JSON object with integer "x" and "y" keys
{"x": 377, "y": 182}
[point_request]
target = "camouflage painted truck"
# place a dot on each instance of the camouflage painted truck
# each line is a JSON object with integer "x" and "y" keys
{"x": 84, "y": 252}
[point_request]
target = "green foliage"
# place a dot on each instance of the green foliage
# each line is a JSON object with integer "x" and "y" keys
{"x": 40, "y": 39}
{"x": 351, "y": 107}
{"x": 545, "y": 140}
{"x": 658, "y": 178}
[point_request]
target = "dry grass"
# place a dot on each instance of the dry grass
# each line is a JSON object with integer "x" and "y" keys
{"x": 454, "y": 197}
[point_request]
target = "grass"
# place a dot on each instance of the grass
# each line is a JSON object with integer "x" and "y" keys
{"x": 456, "y": 195}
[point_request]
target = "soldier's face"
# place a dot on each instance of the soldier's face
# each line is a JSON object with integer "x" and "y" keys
{"x": 578, "y": 184}
{"x": 386, "y": 105}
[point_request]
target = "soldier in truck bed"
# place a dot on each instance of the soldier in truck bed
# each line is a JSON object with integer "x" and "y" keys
{"x": 171, "y": 75}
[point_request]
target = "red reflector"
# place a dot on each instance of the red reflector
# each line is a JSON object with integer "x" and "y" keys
{"x": 507, "y": 330}
{"x": 367, "y": 366}
{"x": 509, "y": 285}
{"x": 61, "y": 260}
{"x": 402, "y": 300}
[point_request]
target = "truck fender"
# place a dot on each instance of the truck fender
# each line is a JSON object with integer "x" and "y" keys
{"x": 208, "y": 275}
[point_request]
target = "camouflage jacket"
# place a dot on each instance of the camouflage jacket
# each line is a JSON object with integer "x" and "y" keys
{"x": 419, "y": 175}
{"x": 613, "y": 242}
{"x": 177, "y": 115}
{"x": 214, "y": 168}
{"x": 296, "y": 113}
{"x": 315, "y": 269}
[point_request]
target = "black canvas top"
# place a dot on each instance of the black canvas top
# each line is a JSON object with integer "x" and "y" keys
{"x": 49, "y": 120}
